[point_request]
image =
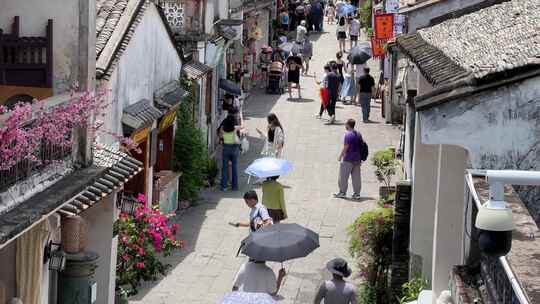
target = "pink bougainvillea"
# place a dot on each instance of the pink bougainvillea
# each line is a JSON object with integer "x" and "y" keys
{"x": 25, "y": 129}
{"x": 143, "y": 237}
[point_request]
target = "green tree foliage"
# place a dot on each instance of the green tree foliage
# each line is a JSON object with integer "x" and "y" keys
{"x": 365, "y": 16}
{"x": 371, "y": 244}
{"x": 190, "y": 151}
{"x": 386, "y": 165}
{"x": 411, "y": 289}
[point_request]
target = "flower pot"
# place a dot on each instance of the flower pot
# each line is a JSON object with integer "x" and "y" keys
{"x": 386, "y": 190}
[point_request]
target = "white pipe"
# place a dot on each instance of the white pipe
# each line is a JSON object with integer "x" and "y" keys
{"x": 513, "y": 177}
{"x": 522, "y": 297}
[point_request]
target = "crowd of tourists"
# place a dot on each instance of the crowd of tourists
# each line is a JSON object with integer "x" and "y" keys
{"x": 342, "y": 81}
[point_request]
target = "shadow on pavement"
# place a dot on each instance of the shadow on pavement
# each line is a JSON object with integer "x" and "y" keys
{"x": 192, "y": 219}
{"x": 300, "y": 100}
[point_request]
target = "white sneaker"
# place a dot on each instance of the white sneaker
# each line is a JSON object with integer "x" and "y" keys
{"x": 332, "y": 119}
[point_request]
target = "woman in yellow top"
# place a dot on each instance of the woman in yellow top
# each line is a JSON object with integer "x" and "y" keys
{"x": 230, "y": 137}
{"x": 274, "y": 199}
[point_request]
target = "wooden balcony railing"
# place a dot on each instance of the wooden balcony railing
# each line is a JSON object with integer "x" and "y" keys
{"x": 48, "y": 154}
{"x": 26, "y": 61}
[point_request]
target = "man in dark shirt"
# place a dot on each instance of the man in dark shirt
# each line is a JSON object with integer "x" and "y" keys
{"x": 366, "y": 84}
{"x": 332, "y": 84}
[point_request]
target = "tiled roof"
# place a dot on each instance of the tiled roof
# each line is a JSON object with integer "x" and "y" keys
{"x": 45, "y": 203}
{"x": 116, "y": 21}
{"x": 120, "y": 168}
{"x": 496, "y": 39}
{"x": 140, "y": 114}
{"x": 196, "y": 69}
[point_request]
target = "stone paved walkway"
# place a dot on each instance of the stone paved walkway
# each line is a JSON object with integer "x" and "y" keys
{"x": 203, "y": 271}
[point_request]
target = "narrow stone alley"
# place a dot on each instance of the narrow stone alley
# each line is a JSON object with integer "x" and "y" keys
{"x": 203, "y": 271}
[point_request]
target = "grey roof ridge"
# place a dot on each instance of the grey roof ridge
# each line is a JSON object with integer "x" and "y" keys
{"x": 428, "y": 48}
{"x": 118, "y": 38}
{"x": 465, "y": 87}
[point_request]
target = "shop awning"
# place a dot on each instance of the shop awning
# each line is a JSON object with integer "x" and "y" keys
{"x": 140, "y": 114}
{"x": 119, "y": 169}
{"x": 230, "y": 87}
{"x": 196, "y": 69}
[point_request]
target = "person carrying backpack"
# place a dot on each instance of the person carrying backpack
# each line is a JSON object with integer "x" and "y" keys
{"x": 352, "y": 155}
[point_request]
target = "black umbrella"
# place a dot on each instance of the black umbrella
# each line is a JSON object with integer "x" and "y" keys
{"x": 280, "y": 242}
{"x": 361, "y": 53}
{"x": 230, "y": 87}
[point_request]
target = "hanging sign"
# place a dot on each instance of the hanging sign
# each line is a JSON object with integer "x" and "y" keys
{"x": 399, "y": 24}
{"x": 140, "y": 135}
{"x": 167, "y": 121}
{"x": 391, "y": 6}
{"x": 384, "y": 26}
{"x": 377, "y": 48}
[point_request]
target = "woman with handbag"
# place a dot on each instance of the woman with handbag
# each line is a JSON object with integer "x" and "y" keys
{"x": 274, "y": 199}
{"x": 274, "y": 138}
{"x": 230, "y": 137}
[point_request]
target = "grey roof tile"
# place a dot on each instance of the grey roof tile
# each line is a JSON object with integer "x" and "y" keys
{"x": 140, "y": 114}
{"x": 196, "y": 69}
{"x": 115, "y": 162}
{"x": 492, "y": 40}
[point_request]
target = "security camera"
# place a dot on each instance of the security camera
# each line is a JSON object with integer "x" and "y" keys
{"x": 494, "y": 218}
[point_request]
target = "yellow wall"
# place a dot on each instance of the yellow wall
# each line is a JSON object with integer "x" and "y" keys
{"x": 8, "y": 91}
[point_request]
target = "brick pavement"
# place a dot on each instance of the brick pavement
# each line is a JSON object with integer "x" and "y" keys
{"x": 203, "y": 271}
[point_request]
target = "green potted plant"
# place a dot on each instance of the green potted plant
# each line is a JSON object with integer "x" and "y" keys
{"x": 386, "y": 165}
{"x": 120, "y": 296}
{"x": 412, "y": 289}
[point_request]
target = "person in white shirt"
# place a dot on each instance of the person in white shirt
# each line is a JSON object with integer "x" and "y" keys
{"x": 301, "y": 32}
{"x": 258, "y": 214}
{"x": 323, "y": 85}
{"x": 256, "y": 276}
{"x": 341, "y": 31}
{"x": 354, "y": 31}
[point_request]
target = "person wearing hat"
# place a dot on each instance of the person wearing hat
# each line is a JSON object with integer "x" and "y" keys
{"x": 337, "y": 290}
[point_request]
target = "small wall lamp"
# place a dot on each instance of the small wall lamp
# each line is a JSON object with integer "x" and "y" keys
{"x": 55, "y": 256}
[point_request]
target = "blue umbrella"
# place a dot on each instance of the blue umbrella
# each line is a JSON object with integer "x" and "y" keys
{"x": 346, "y": 10}
{"x": 268, "y": 167}
{"x": 238, "y": 297}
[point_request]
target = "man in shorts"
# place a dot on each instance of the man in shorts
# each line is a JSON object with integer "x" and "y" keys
{"x": 354, "y": 31}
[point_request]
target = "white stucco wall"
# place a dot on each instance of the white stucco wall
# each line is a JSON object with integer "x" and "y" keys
{"x": 422, "y": 16}
{"x": 149, "y": 62}
{"x": 33, "y": 21}
{"x": 499, "y": 128}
